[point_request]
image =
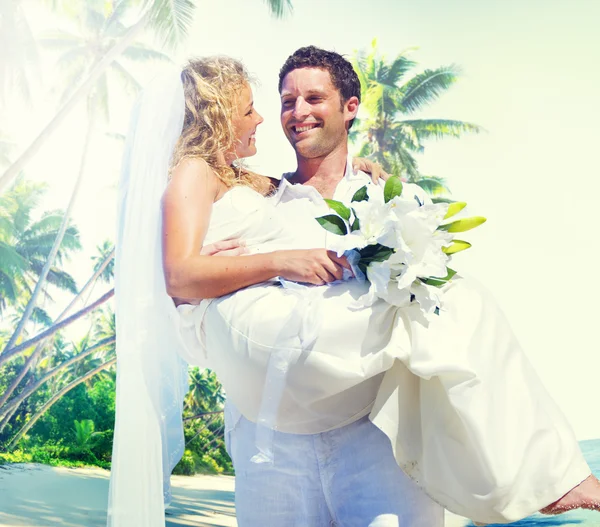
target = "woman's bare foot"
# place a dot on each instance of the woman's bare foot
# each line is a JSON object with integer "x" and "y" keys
{"x": 586, "y": 495}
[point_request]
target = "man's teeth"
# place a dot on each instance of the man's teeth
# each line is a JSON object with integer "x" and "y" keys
{"x": 305, "y": 128}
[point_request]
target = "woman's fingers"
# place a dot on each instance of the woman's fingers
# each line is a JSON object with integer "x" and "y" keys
{"x": 374, "y": 169}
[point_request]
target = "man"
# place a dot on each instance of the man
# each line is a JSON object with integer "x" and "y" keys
{"x": 347, "y": 476}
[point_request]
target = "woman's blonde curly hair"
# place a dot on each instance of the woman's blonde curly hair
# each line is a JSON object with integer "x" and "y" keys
{"x": 211, "y": 86}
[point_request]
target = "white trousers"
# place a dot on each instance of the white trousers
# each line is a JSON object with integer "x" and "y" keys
{"x": 346, "y": 477}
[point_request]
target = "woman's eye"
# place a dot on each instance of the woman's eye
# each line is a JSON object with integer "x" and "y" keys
{"x": 250, "y": 112}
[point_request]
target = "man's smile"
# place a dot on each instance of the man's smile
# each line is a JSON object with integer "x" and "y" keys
{"x": 300, "y": 129}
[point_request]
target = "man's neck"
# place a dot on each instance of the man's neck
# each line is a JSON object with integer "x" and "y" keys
{"x": 322, "y": 173}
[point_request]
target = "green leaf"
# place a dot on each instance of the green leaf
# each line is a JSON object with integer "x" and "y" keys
{"x": 333, "y": 223}
{"x": 463, "y": 225}
{"x": 455, "y": 208}
{"x": 392, "y": 189}
{"x": 456, "y": 247}
{"x": 450, "y": 275}
{"x": 442, "y": 200}
{"x": 375, "y": 253}
{"x": 434, "y": 282}
{"x": 361, "y": 194}
{"x": 356, "y": 223}
{"x": 439, "y": 282}
{"x": 339, "y": 207}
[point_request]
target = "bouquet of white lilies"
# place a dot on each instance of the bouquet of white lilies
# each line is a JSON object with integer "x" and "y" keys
{"x": 401, "y": 245}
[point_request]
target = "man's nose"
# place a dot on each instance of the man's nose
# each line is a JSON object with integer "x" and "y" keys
{"x": 301, "y": 108}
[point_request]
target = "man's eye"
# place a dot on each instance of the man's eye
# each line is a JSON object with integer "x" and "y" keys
{"x": 287, "y": 103}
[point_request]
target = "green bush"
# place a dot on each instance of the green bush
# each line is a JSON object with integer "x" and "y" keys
{"x": 209, "y": 465}
{"x": 102, "y": 445}
{"x": 186, "y": 465}
{"x": 16, "y": 456}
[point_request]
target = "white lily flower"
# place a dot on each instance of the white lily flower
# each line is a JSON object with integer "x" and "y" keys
{"x": 427, "y": 296}
{"x": 376, "y": 220}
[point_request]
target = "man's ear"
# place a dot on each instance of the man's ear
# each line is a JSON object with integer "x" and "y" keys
{"x": 351, "y": 108}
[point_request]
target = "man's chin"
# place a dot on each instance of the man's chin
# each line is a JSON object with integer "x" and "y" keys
{"x": 309, "y": 149}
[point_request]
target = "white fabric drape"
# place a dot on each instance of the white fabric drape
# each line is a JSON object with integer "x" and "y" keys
{"x": 151, "y": 375}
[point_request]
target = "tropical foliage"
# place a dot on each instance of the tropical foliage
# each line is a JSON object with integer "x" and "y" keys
{"x": 57, "y": 390}
{"x": 57, "y": 336}
{"x": 392, "y": 96}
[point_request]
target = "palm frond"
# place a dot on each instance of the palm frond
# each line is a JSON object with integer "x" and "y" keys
{"x": 9, "y": 292}
{"x": 440, "y": 128}
{"x": 171, "y": 19}
{"x": 280, "y": 8}
{"x": 57, "y": 277}
{"x": 426, "y": 87}
{"x": 40, "y": 316}
{"x": 399, "y": 68}
{"x": 128, "y": 81}
{"x": 11, "y": 260}
{"x": 434, "y": 186}
{"x": 99, "y": 99}
{"x": 140, "y": 53}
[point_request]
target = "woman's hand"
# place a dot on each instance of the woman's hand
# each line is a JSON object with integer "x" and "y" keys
{"x": 311, "y": 266}
{"x": 375, "y": 170}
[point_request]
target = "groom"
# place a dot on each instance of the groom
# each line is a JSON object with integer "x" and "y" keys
{"x": 346, "y": 476}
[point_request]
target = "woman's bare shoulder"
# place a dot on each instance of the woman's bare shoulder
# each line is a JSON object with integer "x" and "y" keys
{"x": 192, "y": 175}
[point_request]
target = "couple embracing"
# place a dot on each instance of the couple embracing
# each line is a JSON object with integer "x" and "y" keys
{"x": 335, "y": 414}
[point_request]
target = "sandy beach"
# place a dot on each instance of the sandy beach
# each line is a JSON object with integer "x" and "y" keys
{"x": 35, "y": 495}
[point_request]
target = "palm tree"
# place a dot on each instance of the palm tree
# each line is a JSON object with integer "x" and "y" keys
{"x": 97, "y": 33}
{"x": 25, "y": 244}
{"x": 85, "y": 431}
{"x": 205, "y": 391}
{"x": 389, "y": 97}
{"x": 169, "y": 19}
{"x": 105, "y": 252}
{"x": 56, "y": 397}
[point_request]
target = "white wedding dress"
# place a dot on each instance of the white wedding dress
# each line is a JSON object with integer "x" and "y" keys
{"x": 467, "y": 416}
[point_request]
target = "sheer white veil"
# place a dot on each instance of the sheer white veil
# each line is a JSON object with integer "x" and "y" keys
{"x": 151, "y": 374}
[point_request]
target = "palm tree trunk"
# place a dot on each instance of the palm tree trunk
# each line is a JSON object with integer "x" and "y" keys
{"x": 88, "y": 284}
{"x": 201, "y": 415}
{"x": 41, "y": 346}
{"x": 203, "y": 425}
{"x": 9, "y": 354}
{"x": 8, "y": 417}
{"x": 33, "y": 387}
{"x": 215, "y": 438}
{"x": 55, "y": 398}
{"x": 57, "y": 241}
{"x": 78, "y": 95}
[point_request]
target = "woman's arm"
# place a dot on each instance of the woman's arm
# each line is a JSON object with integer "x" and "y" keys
{"x": 186, "y": 208}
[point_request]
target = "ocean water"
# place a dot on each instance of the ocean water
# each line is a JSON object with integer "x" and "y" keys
{"x": 591, "y": 451}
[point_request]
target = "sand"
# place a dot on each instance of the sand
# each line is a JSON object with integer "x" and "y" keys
{"x": 35, "y": 495}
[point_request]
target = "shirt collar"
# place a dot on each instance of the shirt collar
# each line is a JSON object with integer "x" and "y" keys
{"x": 306, "y": 191}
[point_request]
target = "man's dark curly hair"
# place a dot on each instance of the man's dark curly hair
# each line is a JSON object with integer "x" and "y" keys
{"x": 343, "y": 76}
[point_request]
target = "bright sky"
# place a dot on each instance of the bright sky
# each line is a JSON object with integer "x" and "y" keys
{"x": 530, "y": 78}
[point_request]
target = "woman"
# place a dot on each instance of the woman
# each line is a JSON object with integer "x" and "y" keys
{"x": 208, "y": 199}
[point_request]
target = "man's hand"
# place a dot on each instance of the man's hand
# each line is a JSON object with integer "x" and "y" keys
{"x": 375, "y": 170}
{"x": 232, "y": 247}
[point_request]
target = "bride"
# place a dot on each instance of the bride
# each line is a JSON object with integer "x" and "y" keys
{"x": 468, "y": 419}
